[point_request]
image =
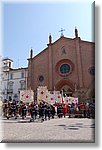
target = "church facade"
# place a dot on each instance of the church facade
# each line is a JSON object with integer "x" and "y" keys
{"x": 66, "y": 65}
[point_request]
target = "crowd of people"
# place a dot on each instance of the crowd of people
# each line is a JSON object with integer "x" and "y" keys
{"x": 20, "y": 109}
{"x": 45, "y": 111}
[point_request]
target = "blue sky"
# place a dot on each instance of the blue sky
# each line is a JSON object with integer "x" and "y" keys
{"x": 27, "y": 25}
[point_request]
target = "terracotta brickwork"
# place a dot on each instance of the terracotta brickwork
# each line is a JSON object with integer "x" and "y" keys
{"x": 44, "y": 68}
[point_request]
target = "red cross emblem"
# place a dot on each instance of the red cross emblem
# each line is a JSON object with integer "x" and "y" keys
{"x": 27, "y": 96}
{"x": 42, "y": 92}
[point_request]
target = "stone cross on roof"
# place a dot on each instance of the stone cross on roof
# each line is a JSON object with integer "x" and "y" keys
{"x": 62, "y": 31}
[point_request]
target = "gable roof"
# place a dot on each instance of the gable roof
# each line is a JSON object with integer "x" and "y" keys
{"x": 55, "y": 43}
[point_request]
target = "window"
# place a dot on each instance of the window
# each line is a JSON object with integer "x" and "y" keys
{"x": 92, "y": 71}
{"x": 22, "y": 75}
{"x": 41, "y": 78}
{"x": 11, "y": 76}
{"x": 9, "y": 64}
{"x": 22, "y": 85}
{"x": 5, "y": 63}
{"x": 10, "y": 85}
{"x": 65, "y": 68}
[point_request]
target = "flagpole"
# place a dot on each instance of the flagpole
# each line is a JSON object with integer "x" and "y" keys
{"x": 54, "y": 92}
{"x": 62, "y": 95}
{"x": 54, "y": 88}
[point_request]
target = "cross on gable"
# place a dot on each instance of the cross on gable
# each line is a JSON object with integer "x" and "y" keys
{"x": 62, "y": 32}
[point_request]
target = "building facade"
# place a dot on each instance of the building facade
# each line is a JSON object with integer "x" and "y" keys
{"x": 12, "y": 80}
{"x": 67, "y": 65}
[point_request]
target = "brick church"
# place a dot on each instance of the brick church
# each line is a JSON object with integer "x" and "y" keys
{"x": 67, "y": 65}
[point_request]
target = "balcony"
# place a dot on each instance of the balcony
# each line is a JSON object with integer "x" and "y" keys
{"x": 19, "y": 89}
{"x": 9, "y": 91}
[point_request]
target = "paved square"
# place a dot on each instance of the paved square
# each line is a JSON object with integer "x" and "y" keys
{"x": 54, "y": 130}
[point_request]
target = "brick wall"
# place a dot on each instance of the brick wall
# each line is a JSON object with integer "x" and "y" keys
{"x": 80, "y": 55}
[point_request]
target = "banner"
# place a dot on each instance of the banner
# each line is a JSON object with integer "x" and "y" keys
{"x": 42, "y": 93}
{"x": 70, "y": 100}
{"x": 54, "y": 97}
{"x": 26, "y": 95}
{"x": 47, "y": 96}
{"x": 76, "y": 100}
{"x": 58, "y": 97}
{"x": 51, "y": 99}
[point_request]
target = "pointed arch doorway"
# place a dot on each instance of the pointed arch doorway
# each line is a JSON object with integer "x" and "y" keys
{"x": 65, "y": 87}
{"x": 66, "y": 90}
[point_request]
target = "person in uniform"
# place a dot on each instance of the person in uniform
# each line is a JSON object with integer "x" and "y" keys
{"x": 9, "y": 109}
{"x": 59, "y": 111}
{"x": 53, "y": 111}
{"x": 23, "y": 110}
{"x": 48, "y": 111}
{"x": 14, "y": 109}
{"x": 41, "y": 111}
{"x": 33, "y": 111}
{"x": 64, "y": 110}
{"x": 5, "y": 108}
{"x": 45, "y": 111}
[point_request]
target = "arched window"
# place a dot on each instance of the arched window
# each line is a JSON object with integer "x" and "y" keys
{"x": 22, "y": 85}
{"x": 10, "y": 85}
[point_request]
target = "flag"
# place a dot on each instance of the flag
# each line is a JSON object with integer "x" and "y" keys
{"x": 71, "y": 100}
{"x": 51, "y": 99}
{"x": 47, "y": 96}
{"x": 63, "y": 100}
{"x": 58, "y": 98}
{"x": 42, "y": 93}
{"x": 26, "y": 95}
{"x": 66, "y": 100}
{"x": 76, "y": 100}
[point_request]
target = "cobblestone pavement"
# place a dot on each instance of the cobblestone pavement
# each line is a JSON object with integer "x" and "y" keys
{"x": 54, "y": 130}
